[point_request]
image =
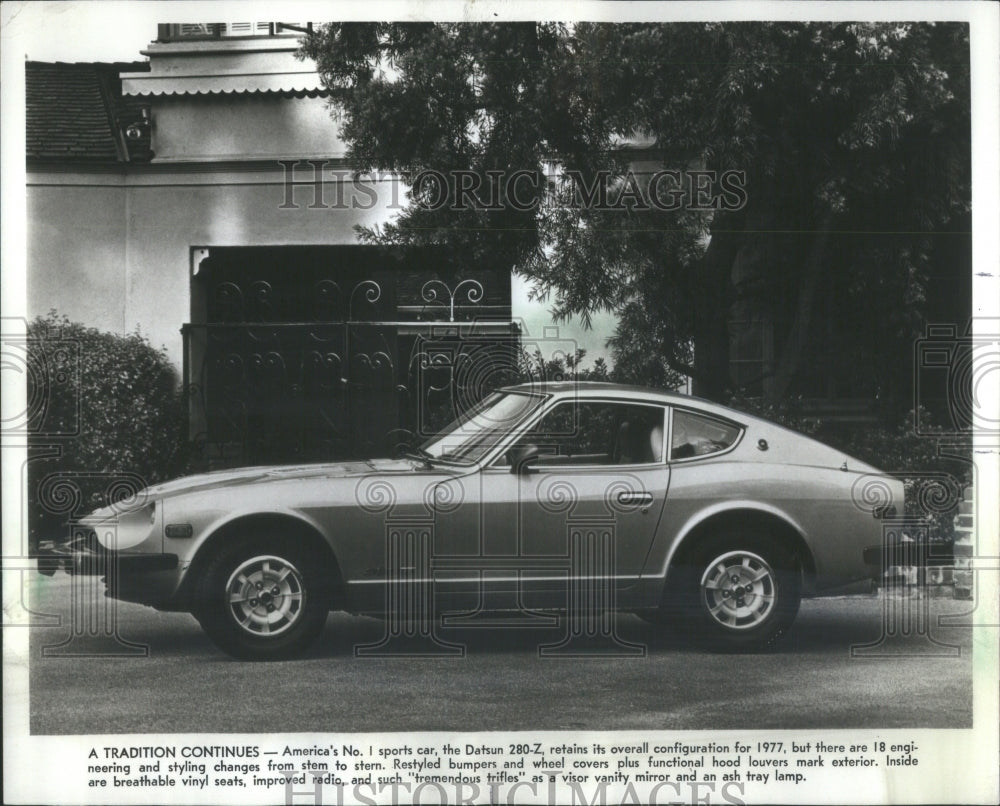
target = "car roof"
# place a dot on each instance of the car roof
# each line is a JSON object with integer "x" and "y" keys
{"x": 595, "y": 389}
{"x": 626, "y": 391}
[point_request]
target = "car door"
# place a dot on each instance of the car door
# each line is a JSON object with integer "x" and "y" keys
{"x": 574, "y": 503}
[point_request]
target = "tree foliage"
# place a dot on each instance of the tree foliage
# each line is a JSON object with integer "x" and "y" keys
{"x": 853, "y": 140}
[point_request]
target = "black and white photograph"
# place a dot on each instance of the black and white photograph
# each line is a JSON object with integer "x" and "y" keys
{"x": 472, "y": 402}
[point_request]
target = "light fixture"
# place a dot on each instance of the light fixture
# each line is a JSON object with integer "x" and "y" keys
{"x": 134, "y": 130}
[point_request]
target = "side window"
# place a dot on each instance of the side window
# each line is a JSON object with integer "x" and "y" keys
{"x": 697, "y": 435}
{"x": 597, "y": 433}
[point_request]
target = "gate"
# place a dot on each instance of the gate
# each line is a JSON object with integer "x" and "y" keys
{"x": 359, "y": 376}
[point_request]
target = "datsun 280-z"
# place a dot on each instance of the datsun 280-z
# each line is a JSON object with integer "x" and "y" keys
{"x": 541, "y": 498}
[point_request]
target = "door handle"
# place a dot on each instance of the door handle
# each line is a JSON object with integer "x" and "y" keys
{"x": 629, "y": 498}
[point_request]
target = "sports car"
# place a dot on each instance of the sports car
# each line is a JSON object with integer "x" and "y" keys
{"x": 572, "y": 499}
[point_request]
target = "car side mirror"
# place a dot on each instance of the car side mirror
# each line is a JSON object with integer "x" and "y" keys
{"x": 521, "y": 460}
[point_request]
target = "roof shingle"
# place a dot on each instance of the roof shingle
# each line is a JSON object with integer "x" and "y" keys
{"x": 75, "y": 111}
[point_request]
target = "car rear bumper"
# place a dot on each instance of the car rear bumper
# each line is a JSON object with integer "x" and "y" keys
{"x": 903, "y": 553}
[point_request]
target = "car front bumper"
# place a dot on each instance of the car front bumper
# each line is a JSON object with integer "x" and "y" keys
{"x": 141, "y": 577}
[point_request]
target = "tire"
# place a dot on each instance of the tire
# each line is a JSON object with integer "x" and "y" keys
{"x": 736, "y": 591}
{"x": 264, "y": 598}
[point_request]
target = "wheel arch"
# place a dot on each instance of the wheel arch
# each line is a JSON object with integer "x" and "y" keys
{"x": 742, "y": 517}
{"x": 288, "y": 524}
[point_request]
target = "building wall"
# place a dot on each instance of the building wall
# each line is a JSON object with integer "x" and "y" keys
{"x": 243, "y": 127}
{"x": 114, "y": 251}
{"x": 76, "y": 250}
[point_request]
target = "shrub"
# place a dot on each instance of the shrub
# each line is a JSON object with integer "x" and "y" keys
{"x": 111, "y": 420}
{"x": 787, "y": 413}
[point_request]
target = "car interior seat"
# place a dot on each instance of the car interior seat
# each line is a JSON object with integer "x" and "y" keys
{"x": 656, "y": 444}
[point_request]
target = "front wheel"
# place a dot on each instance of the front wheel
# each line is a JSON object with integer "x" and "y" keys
{"x": 263, "y": 599}
{"x": 738, "y": 591}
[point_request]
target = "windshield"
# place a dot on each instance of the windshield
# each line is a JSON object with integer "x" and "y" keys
{"x": 477, "y": 431}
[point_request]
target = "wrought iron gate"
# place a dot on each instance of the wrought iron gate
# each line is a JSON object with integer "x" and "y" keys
{"x": 360, "y": 376}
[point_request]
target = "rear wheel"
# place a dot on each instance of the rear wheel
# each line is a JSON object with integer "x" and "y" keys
{"x": 737, "y": 591}
{"x": 263, "y": 598}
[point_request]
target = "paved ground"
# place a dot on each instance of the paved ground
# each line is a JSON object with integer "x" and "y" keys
{"x": 811, "y": 681}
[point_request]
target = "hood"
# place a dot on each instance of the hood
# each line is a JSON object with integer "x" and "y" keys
{"x": 251, "y": 475}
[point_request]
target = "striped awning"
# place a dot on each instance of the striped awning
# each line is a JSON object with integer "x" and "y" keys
{"x": 304, "y": 84}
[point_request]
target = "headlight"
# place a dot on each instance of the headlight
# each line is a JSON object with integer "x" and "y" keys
{"x": 131, "y": 528}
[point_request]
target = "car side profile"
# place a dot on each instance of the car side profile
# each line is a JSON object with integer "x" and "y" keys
{"x": 538, "y": 498}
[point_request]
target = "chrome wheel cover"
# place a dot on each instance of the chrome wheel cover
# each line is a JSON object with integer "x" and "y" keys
{"x": 739, "y": 590}
{"x": 266, "y": 596}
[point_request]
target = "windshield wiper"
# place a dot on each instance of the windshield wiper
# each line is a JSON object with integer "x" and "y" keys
{"x": 420, "y": 455}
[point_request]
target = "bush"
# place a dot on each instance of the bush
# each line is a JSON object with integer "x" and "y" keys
{"x": 788, "y": 413}
{"x": 109, "y": 422}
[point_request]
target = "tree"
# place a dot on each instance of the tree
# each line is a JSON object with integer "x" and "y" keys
{"x": 850, "y": 142}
